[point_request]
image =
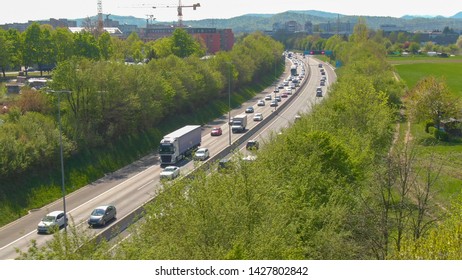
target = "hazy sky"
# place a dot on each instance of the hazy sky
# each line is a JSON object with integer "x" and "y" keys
{"x": 24, "y": 10}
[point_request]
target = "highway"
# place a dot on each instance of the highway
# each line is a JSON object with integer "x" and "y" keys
{"x": 134, "y": 185}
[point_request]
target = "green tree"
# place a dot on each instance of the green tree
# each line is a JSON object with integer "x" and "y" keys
{"x": 32, "y": 45}
{"x": 360, "y": 31}
{"x": 85, "y": 45}
{"x": 414, "y": 47}
{"x": 184, "y": 45}
{"x": 431, "y": 100}
{"x": 105, "y": 46}
{"x": 5, "y": 52}
{"x": 64, "y": 44}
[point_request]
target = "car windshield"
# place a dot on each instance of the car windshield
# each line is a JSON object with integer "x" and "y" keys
{"x": 97, "y": 212}
{"x": 48, "y": 218}
{"x": 169, "y": 168}
{"x": 166, "y": 149}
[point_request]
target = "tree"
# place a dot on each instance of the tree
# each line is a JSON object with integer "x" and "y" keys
{"x": 32, "y": 45}
{"x": 431, "y": 100}
{"x": 5, "y": 52}
{"x": 63, "y": 43}
{"x": 85, "y": 45}
{"x": 105, "y": 45}
{"x": 184, "y": 45}
{"x": 360, "y": 31}
{"x": 414, "y": 47}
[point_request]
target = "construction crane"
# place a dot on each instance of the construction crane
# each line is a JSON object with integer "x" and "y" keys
{"x": 149, "y": 17}
{"x": 179, "y": 9}
{"x": 100, "y": 26}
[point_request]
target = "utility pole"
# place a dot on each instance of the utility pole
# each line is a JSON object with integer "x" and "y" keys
{"x": 63, "y": 189}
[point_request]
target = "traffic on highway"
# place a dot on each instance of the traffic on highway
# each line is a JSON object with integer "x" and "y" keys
{"x": 113, "y": 201}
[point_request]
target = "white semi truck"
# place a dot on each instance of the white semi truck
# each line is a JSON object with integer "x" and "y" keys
{"x": 178, "y": 144}
{"x": 239, "y": 123}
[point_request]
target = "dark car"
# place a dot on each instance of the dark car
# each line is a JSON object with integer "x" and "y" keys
{"x": 252, "y": 145}
{"x": 274, "y": 103}
{"x": 319, "y": 92}
{"x": 249, "y": 109}
{"x": 216, "y": 131}
{"x": 101, "y": 215}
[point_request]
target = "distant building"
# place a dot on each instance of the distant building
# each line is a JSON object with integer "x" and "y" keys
{"x": 390, "y": 28}
{"x": 113, "y": 31}
{"x": 214, "y": 39}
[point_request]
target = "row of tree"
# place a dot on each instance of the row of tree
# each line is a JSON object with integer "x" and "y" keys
{"x": 44, "y": 47}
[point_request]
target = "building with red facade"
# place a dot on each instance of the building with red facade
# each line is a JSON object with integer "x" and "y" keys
{"x": 213, "y": 39}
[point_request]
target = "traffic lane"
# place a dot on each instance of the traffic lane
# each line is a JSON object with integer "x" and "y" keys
{"x": 126, "y": 196}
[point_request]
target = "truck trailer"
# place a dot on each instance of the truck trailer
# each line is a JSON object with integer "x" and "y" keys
{"x": 178, "y": 144}
{"x": 239, "y": 123}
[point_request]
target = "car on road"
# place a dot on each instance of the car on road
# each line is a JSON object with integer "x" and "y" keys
{"x": 52, "y": 222}
{"x": 322, "y": 83}
{"x": 170, "y": 172}
{"x": 268, "y": 97}
{"x": 276, "y": 89}
{"x": 202, "y": 154}
{"x": 249, "y": 109}
{"x": 261, "y": 102}
{"x": 101, "y": 215}
{"x": 216, "y": 131}
{"x": 284, "y": 95}
{"x": 278, "y": 98}
{"x": 274, "y": 103}
{"x": 258, "y": 117}
{"x": 252, "y": 145}
{"x": 318, "y": 92}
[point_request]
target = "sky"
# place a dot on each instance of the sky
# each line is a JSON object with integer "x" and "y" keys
{"x": 24, "y": 10}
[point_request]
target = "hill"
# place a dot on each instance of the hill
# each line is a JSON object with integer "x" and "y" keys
{"x": 261, "y": 22}
{"x": 458, "y": 15}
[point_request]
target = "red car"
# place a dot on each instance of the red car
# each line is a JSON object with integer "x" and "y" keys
{"x": 216, "y": 131}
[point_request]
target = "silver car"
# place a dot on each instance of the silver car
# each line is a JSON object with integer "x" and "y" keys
{"x": 51, "y": 222}
{"x": 101, "y": 215}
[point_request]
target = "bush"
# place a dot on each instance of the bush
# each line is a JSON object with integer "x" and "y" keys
{"x": 441, "y": 135}
{"x": 428, "y": 125}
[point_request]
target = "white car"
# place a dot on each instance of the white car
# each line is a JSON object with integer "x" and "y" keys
{"x": 268, "y": 97}
{"x": 202, "y": 154}
{"x": 51, "y": 222}
{"x": 261, "y": 102}
{"x": 170, "y": 172}
{"x": 258, "y": 117}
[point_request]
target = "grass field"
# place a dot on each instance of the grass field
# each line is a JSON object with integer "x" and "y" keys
{"x": 449, "y": 72}
{"x": 446, "y": 157}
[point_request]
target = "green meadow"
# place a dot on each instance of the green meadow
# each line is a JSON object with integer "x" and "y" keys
{"x": 445, "y": 157}
{"x": 412, "y": 70}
